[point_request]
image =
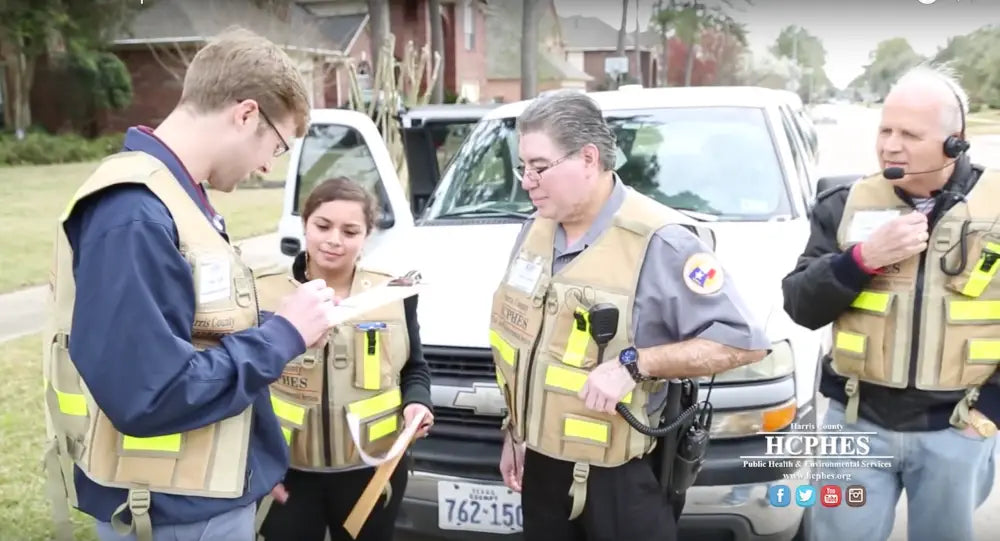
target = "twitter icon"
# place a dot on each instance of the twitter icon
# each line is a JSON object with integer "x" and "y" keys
{"x": 805, "y": 496}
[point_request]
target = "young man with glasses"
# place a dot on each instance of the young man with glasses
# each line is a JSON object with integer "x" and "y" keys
{"x": 157, "y": 362}
{"x": 583, "y": 472}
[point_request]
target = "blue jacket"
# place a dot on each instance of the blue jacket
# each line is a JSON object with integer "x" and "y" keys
{"x": 131, "y": 341}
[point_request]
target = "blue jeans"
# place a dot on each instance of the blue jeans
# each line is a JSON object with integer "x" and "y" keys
{"x": 235, "y": 525}
{"x": 946, "y": 474}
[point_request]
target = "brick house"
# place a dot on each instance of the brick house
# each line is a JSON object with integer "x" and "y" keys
{"x": 165, "y": 34}
{"x": 589, "y": 41}
{"x": 463, "y": 23}
{"x": 503, "y": 27}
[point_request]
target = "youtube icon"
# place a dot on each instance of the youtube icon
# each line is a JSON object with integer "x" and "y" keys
{"x": 830, "y": 495}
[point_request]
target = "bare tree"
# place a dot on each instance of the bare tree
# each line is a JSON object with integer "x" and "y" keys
{"x": 529, "y": 50}
{"x": 437, "y": 45}
{"x": 622, "y": 30}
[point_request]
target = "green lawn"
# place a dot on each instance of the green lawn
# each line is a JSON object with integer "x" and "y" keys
{"x": 24, "y": 511}
{"x": 31, "y": 198}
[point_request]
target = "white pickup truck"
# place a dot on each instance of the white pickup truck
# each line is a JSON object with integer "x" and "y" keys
{"x": 734, "y": 158}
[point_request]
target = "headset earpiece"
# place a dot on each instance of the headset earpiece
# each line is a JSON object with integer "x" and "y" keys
{"x": 955, "y": 145}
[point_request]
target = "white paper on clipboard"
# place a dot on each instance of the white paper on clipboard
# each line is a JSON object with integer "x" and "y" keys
{"x": 356, "y": 305}
{"x": 404, "y": 439}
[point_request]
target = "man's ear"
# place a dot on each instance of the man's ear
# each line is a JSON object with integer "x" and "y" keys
{"x": 591, "y": 156}
{"x": 244, "y": 112}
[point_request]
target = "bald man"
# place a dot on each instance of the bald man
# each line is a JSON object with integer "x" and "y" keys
{"x": 902, "y": 264}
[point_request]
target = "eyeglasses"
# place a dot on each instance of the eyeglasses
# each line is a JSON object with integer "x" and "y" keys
{"x": 536, "y": 172}
{"x": 284, "y": 144}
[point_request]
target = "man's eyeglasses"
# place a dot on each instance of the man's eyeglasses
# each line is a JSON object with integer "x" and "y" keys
{"x": 284, "y": 144}
{"x": 536, "y": 172}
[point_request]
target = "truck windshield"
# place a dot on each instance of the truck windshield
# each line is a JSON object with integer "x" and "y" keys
{"x": 334, "y": 150}
{"x": 716, "y": 162}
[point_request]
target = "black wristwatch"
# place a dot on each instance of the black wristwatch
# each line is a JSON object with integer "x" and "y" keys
{"x": 629, "y": 358}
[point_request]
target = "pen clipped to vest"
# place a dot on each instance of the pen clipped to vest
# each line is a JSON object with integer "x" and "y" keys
{"x": 684, "y": 424}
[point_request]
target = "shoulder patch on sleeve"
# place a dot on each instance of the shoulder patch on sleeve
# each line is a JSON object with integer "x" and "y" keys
{"x": 703, "y": 273}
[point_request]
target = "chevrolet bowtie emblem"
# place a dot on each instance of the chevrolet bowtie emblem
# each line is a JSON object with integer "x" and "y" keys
{"x": 483, "y": 399}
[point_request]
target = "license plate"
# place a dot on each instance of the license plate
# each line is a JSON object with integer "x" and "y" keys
{"x": 478, "y": 508}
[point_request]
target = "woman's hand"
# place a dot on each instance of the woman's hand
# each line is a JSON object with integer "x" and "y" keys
{"x": 411, "y": 412}
{"x": 279, "y": 493}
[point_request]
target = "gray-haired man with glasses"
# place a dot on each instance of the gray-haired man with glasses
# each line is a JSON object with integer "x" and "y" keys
{"x": 582, "y": 471}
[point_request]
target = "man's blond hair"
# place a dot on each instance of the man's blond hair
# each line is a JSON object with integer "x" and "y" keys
{"x": 239, "y": 65}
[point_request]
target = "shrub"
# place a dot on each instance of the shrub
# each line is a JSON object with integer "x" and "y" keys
{"x": 40, "y": 148}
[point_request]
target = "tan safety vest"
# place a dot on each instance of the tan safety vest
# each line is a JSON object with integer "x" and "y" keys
{"x": 956, "y": 318}
{"x": 360, "y": 370}
{"x": 543, "y": 351}
{"x": 207, "y": 462}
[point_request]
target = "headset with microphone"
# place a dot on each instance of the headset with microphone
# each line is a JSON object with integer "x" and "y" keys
{"x": 954, "y": 146}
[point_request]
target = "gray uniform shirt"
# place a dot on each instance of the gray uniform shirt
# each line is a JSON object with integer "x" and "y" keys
{"x": 666, "y": 310}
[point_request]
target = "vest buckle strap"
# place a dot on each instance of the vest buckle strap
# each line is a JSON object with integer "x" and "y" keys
{"x": 138, "y": 505}
{"x": 578, "y": 490}
{"x": 853, "y": 399}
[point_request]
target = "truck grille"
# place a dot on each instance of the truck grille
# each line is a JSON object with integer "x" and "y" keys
{"x": 472, "y": 363}
{"x": 458, "y": 423}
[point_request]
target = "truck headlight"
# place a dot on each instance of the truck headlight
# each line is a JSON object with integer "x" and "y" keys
{"x": 777, "y": 364}
{"x": 739, "y": 424}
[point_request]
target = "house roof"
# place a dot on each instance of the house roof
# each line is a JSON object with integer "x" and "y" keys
{"x": 166, "y": 21}
{"x": 592, "y": 34}
{"x": 503, "y": 56}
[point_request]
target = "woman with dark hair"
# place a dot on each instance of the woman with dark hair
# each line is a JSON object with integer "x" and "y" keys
{"x": 372, "y": 366}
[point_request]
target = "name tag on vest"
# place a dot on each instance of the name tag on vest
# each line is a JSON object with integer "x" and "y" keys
{"x": 213, "y": 280}
{"x": 524, "y": 275}
{"x": 865, "y": 222}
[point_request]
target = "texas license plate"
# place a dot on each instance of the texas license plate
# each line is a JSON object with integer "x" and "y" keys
{"x": 478, "y": 508}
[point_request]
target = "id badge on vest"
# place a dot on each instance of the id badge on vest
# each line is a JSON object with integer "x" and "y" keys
{"x": 525, "y": 274}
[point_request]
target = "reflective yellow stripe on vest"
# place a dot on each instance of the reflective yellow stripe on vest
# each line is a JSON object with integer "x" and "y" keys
{"x": 594, "y": 431}
{"x": 375, "y": 406}
{"x": 570, "y": 380}
{"x": 971, "y": 311}
{"x": 579, "y": 337}
{"x": 70, "y": 403}
{"x": 506, "y": 350}
{"x": 290, "y": 413}
{"x": 872, "y": 301}
{"x": 851, "y": 342}
{"x": 372, "y": 360}
{"x": 169, "y": 443}
{"x": 984, "y": 270}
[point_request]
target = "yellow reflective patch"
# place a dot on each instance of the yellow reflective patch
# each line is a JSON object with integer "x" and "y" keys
{"x": 984, "y": 350}
{"x": 71, "y": 403}
{"x": 588, "y": 430}
{"x": 505, "y": 350}
{"x": 372, "y": 361}
{"x": 502, "y": 381}
{"x": 974, "y": 310}
{"x": 375, "y": 405}
{"x": 288, "y": 411}
{"x": 873, "y": 301}
{"x": 382, "y": 428}
{"x": 287, "y": 432}
{"x": 579, "y": 337}
{"x": 170, "y": 443}
{"x": 983, "y": 272}
{"x": 570, "y": 380}
{"x": 849, "y": 341}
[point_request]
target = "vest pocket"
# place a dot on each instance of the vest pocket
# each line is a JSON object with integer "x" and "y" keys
{"x": 379, "y": 420}
{"x": 863, "y": 337}
{"x": 570, "y": 430}
{"x": 571, "y": 342}
{"x": 372, "y": 362}
{"x": 65, "y": 395}
{"x": 291, "y": 416}
{"x": 971, "y": 349}
{"x": 982, "y": 260}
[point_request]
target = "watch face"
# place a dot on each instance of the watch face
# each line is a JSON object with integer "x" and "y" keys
{"x": 628, "y": 355}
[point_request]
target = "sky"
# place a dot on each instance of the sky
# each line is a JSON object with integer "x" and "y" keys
{"x": 849, "y": 29}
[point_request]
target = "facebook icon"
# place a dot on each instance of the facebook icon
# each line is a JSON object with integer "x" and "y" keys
{"x": 779, "y": 495}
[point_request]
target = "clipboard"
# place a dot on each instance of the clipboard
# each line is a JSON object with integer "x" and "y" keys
{"x": 354, "y": 306}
